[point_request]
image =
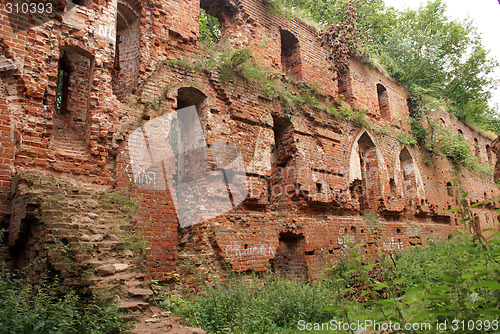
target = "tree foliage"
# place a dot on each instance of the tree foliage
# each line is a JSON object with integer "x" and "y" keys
{"x": 210, "y": 32}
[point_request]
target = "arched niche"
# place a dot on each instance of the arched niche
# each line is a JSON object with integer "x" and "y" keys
{"x": 127, "y": 48}
{"x": 408, "y": 177}
{"x": 290, "y": 55}
{"x": 365, "y": 173}
{"x": 383, "y": 102}
{"x": 225, "y": 13}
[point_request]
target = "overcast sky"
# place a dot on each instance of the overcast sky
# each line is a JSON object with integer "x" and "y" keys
{"x": 485, "y": 15}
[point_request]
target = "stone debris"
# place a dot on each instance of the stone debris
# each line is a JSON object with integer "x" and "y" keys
{"x": 105, "y": 270}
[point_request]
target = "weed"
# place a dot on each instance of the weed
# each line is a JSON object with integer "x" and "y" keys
{"x": 124, "y": 199}
{"x": 26, "y": 308}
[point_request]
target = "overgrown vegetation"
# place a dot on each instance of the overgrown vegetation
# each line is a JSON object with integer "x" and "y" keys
{"x": 268, "y": 305}
{"x": 440, "y": 60}
{"x": 29, "y": 309}
{"x": 453, "y": 281}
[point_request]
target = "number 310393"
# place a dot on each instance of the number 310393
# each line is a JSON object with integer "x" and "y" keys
{"x": 28, "y": 8}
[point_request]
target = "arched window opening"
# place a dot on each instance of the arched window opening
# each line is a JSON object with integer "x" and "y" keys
{"x": 283, "y": 141}
{"x": 392, "y": 185}
{"x": 189, "y": 96}
{"x": 290, "y": 55}
{"x": 476, "y": 147}
{"x": 383, "y": 102}
{"x": 282, "y": 154}
{"x": 367, "y": 189}
{"x": 210, "y": 28}
{"x": 409, "y": 178}
{"x": 488, "y": 153}
{"x": 72, "y": 98}
{"x": 127, "y": 49}
{"x": 217, "y": 18}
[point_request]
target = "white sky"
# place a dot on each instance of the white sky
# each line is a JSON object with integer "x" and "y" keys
{"x": 485, "y": 15}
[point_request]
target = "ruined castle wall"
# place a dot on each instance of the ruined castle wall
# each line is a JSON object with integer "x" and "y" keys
{"x": 262, "y": 32}
{"x": 362, "y": 93}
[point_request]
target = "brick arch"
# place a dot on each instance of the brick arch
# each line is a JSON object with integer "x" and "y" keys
{"x": 291, "y": 58}
{"x": 223, "y": 10}
{"x": 409, "y": 180}
{"x": 367, "y": 173}
{"x": 133, "y": 5}
{"x": 127, "y": 58}
{"x": 171, "y": 94}
{"x": 383, "y": 102}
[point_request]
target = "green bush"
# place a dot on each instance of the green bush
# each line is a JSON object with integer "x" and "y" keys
{"x": 240, "y": 62}
{"x": 418, "y": 131}
{"x": 252, "y": 305}
{"x": 457, "y": 150}
{"x": 30, "y": 309}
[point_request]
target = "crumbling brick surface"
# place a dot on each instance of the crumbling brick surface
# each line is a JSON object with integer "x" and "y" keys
{"x": 80, "y": 234}
{"x": 316, "y": 184}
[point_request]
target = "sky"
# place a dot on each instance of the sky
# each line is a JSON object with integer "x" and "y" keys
{"x": 485, "y": 15}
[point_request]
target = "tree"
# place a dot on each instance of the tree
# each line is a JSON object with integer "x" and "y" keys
{"x": 209, "y": 28}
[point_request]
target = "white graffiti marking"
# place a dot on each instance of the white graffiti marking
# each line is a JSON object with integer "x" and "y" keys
{"x": 392, "y": 245}
{"x": 106, "y": 32}
{"x": 236, "y": 251}
{"x": 344, "y": 239}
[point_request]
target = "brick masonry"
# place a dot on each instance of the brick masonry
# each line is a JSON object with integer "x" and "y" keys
{"x": 312, "y": 178}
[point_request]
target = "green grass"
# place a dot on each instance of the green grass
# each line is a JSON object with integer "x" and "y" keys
{"x": 29, "y": 309}
{"x": 255, "y": 305}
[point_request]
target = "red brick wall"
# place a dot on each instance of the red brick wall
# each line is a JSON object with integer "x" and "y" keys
{"x": 361, "y": 85}
{"x": 125, "y": 78}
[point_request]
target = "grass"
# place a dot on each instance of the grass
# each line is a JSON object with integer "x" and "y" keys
{"x": 251, "y": 305}
{"x": 31, "y": 309}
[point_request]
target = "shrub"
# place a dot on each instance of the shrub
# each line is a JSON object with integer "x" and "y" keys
{"x": 418, "y": 131}
{"x": 252, "y": 305}
{"x": 41, "y": 309}
{"x": 240, "y": 62}
{"x": 457, "y": 150}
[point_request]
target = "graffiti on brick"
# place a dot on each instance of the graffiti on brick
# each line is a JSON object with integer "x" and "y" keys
{"x": 143, "y": 177}
{"x": 393, "y": 244}
{"x": 106, "y": 32}
{"x": 238, "y": 252}
{"x": 206, "y": 180}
